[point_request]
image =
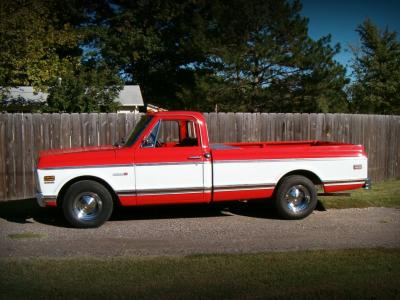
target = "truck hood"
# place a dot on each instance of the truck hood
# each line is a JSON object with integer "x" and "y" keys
{"x": 77, "y": 157}
{"x": 77, "y": 149}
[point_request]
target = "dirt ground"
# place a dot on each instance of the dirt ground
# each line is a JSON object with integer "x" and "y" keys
{"x": 26, "y": 230}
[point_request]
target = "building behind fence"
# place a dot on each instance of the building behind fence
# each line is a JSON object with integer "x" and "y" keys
{"x": 22, "y": 136}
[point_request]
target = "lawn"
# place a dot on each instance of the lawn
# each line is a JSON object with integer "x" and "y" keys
{"x": 385, "y": 194}
{"x": 372, "y": 274}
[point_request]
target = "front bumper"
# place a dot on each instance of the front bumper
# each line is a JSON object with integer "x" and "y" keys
{"x": 46, "y": 201}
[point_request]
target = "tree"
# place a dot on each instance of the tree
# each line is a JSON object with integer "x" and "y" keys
{"x": 376, "y": 66}
{"x": 45, "y": 45}
{"x": 240, "y": 55}
{"x": 151, "y": 42}
{"x": 92, "y": 88}
{"x": 262, "y": 59}
{"x": 36, "y": 46}
{"x": 196, "y": 54}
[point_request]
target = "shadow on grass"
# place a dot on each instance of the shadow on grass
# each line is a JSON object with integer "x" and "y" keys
{"x": 27, "y": 211}
{"x": 320, "y": 206}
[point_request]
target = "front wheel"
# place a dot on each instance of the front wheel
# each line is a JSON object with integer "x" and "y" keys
{"x": 87, "y": 204}
{"x": 295, "y": 198}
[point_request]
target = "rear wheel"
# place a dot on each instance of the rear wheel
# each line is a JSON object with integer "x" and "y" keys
{"x": 87, "y": 204}
{"x": 295, "y": 198}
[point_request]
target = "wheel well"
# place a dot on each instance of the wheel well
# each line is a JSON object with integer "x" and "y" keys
{"x": 308, "y": 174}
{"x": 81, "y": 178}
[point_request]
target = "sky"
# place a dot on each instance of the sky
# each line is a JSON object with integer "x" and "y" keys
{"x": 340, "y": 18}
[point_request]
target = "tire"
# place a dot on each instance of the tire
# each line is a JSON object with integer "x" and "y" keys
{"x": 87, "y": 204}
{"x": 295, "y": 198}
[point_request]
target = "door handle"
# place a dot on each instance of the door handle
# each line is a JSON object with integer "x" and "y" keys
{"x": 194, "y": 157}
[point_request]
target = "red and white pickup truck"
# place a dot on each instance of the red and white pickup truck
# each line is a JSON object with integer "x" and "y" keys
{"x": 167, "y": 159}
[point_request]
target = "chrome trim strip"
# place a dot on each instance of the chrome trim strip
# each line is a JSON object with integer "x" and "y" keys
{"x": 174, "y": 191}
{"x": 344, "y": 181}
{"x": 244, "y": 186}
{"x": 285, "y": 160}
{"x": 243, "y": 189}
{"x": 170, "y": 163}
{"x": 178, "y": 191}
{"x": 126, "y": 192}
{"x": 129, "y": 165}
{"x": 89, "y": 166}
{"x": 157, "y": 193}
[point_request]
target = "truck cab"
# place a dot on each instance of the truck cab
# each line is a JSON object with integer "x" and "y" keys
{"x": 172, "y": 160}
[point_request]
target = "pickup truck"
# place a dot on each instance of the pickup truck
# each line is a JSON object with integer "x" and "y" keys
{"x": 167, "y": 159}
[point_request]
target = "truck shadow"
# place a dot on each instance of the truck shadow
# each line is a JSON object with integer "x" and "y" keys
{"x": 166, "y": 212}
{"x": 27, "y": 211}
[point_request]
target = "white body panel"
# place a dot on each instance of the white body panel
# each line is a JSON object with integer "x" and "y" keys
{"x": 118, "y": 177}
{"x": 169, "y": 176}
{"x": 166, "y": 176}
{"x": 271, "y": 171}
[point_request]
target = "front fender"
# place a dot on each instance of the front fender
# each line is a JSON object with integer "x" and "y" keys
{"x": 121, "y": 177}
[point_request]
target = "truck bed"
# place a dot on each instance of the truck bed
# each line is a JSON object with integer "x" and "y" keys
{"x": 285, "y": 149}
{"x": 243, "y": 145}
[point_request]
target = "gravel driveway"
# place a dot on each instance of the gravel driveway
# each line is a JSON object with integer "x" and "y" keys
{"x": 195, "y": 229}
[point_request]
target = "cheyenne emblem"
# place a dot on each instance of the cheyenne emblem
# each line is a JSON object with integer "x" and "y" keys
{"x": 120, "y": 174}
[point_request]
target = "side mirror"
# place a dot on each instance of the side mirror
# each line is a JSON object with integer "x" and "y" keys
{"x": 147, "y": 143}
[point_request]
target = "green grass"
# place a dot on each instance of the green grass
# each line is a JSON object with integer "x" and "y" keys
{"x": 26, "y": 235}
{"x": 382, "y": 194}
{"x": 357, "y": 274}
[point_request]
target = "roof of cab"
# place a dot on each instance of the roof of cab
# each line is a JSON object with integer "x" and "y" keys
{"x": 195, "y": 114}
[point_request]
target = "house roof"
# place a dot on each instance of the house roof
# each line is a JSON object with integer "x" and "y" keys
{"x": 130, "y": 95}
{"x": 27, "y": 93}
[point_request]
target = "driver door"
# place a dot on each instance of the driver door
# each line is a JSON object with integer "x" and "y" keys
{"x": 169, "y": 164}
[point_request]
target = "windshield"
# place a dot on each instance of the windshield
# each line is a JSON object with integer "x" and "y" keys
{"x": 140, "y": 126}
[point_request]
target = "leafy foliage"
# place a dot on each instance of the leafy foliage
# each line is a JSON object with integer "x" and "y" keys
{"x": 196, "y": 54}
{"x": 90, "y": 89}
{"x": 151, "y": 42}
{"x": 377, "y": 71}
{"x": 267, "y": 62}
{"x": 41, "y": 43}
{"x": 249, "y": 56}
{"x": 36, "y": 45}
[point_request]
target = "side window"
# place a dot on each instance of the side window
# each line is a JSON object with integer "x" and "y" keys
{"x": 151, "y": 140}
{"x": 189, "y": 137}
{"x": 191, "y": 130}
{"x": 172, "y": 133}
{"x": 169, "y": 131}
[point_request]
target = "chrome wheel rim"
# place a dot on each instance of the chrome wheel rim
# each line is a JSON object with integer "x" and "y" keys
{"x": 298, "y": 198}
{"x": 87, "y": 206}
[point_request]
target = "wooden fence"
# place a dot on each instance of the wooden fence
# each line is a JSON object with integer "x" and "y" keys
{"x": 22, "y": 136}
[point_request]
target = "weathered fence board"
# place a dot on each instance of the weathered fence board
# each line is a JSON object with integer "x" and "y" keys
{"x": 23, "y": 136}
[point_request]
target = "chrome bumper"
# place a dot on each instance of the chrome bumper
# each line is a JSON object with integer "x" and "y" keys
{"x": 46, "y": 201}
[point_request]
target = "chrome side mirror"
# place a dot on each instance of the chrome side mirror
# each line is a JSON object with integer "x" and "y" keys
{"x": 147, "y": 143}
